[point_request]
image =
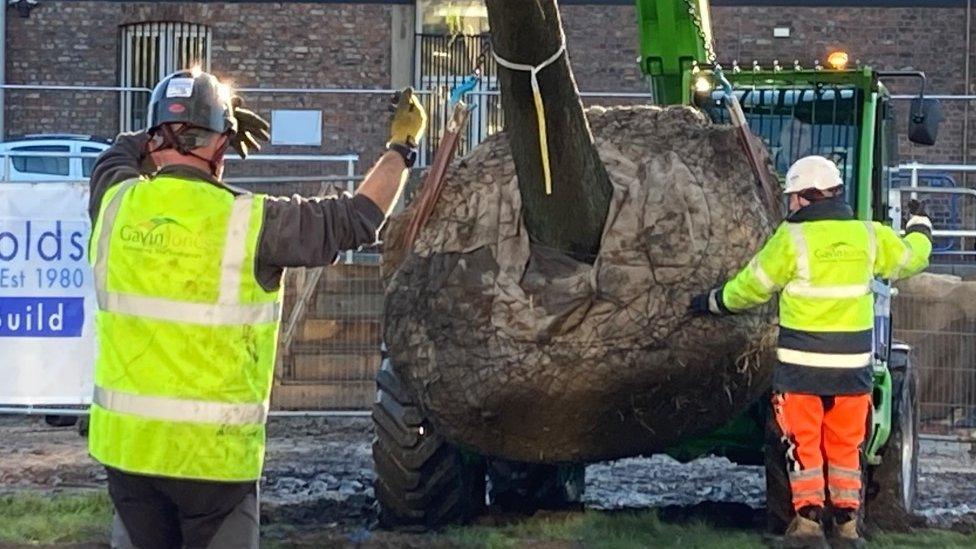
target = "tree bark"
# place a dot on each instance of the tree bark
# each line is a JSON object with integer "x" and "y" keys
{"x": 572, "y": 218}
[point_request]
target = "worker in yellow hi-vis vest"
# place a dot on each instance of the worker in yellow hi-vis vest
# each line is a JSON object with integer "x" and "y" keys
{"x": 188, "y": 278}
{"x": 821, "y": 261}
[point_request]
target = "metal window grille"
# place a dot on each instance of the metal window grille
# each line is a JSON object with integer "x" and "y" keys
{"x": 150, "y": 51}
{"x": 444, "y": 62}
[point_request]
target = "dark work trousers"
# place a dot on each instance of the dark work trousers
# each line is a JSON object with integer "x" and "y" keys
{"x": 170, "y": 513}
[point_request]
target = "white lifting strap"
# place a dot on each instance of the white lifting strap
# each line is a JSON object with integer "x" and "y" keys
{"x": 540, "y": 110}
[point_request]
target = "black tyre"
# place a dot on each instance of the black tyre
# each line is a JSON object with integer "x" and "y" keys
{"x": 525, "y": 488}
{"x": 779, "y": 497}
{"x": 891, "y": 485}
{"x": 83, "y": 426}
{"x": 422, "y": 481}
{"x": 60, "y": 421}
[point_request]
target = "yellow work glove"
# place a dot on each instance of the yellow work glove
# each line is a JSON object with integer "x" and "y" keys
{"x": 409, "y": 119}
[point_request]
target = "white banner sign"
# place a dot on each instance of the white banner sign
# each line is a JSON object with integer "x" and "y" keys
{"x": 47, "y": 301}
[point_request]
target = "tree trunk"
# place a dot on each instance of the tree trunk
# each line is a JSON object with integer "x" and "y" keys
{"x": 571, "y": 219}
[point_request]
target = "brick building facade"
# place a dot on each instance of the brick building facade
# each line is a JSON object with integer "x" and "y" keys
{"x": 370, "y": 44}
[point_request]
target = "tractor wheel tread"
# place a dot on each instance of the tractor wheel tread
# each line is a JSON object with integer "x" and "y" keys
{"x": 387, "y": 381}
{"x": 388, "y": 468}
{"x": 400, "y": 434}
{"x": 409, "y": 457}
{"x": 422, "y": 481}
{"x": 407, "y": 417}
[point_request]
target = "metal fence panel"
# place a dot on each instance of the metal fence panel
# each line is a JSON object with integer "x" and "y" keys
{"x": 943, "y": 339}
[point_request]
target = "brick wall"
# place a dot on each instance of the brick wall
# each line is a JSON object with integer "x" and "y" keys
{"x": 283, "y": 45}
{"x": 348, "y": 45}
{"x": 603, "y": 45}
{"x": 927, "y": 39}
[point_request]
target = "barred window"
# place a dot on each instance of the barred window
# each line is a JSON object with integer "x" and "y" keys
{"x": 150, "y": 51}
{"x": 452, "y": 42}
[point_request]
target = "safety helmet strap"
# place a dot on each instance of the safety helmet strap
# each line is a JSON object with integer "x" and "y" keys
{"x": 171, "y": 140}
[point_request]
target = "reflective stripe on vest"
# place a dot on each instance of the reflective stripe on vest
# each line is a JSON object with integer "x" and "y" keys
{"x": 762, "y": 277}
{"x": 872, "y": 245}
{"x": 228, "y": 311}
{"x": 803, "y": 287}
{"x": 802, "y": 254}
{"x": 209, "y": 314}
{"x": 906, "y": 258}
{"x": 174, "y": 409}
{"x": 823, "y": 360}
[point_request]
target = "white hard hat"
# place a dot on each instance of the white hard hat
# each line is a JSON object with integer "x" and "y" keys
{"x": 812, "y": 172}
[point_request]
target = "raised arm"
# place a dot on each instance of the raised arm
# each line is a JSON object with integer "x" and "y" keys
{"x": 904, "y": 257}
{"x": 303, "y": 232}
{"x": 122, "y": 161}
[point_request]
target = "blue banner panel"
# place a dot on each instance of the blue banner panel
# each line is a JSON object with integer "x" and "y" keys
{"x": 41, "y": 316}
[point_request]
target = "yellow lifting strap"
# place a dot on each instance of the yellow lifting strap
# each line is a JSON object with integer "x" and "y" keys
{"x": 540, "y": 109}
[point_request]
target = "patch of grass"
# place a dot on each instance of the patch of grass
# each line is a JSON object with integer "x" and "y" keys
{"x": 31, "y": 517}
{"x": 644, "y": 529}
{"x": 925, "y": 538}
{"x": 605, "y": 531}
{"x": 54, "y": 518}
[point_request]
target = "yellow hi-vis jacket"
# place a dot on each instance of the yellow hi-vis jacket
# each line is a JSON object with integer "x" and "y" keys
{"x": 822, "y": 261}
{"x": 186, "y": 334}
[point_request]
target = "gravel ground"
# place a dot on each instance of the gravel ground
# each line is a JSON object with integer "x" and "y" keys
{"x": 319, "y": 473}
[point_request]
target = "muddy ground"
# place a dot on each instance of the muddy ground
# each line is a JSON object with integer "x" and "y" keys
{"x": 318, "y": 476}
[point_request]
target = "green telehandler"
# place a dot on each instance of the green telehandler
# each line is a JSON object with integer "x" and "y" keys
{"x": 426, "y": 479}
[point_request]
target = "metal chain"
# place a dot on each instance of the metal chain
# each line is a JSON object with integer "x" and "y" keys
{"x": 696, "y": 18}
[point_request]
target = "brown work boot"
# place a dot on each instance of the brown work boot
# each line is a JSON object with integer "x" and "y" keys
{"x": 845, "y": 534}
{"x": 806, "y": 532}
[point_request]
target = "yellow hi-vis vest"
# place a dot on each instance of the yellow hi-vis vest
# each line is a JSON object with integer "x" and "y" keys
{"x": 823, "y": 271}
{"x": 186, "y": 335}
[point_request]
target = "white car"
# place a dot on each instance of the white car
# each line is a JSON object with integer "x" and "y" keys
{"x": 54, "y": 163}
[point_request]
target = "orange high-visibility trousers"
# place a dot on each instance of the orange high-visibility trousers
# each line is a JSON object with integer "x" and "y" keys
{"x": 823, "y": 429}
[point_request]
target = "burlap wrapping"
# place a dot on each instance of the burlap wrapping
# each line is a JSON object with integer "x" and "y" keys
{"x": 936, "y": 314}
{"x": 519, "y": 351}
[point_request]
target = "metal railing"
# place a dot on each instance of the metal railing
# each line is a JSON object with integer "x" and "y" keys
{"x": 949, "y": 214}
{"x": 434, "y": 90}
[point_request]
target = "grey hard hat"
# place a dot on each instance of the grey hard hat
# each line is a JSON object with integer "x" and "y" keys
{"x": 193, "y": 98}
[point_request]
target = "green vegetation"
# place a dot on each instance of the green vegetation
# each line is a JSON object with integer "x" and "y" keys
{"x": 594, "y": 530}
{"x": 605, "y": 531}
{"x": 926, "y": 538}
{"x": 35, "y": 518}
{"x": 54, "y": 518}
